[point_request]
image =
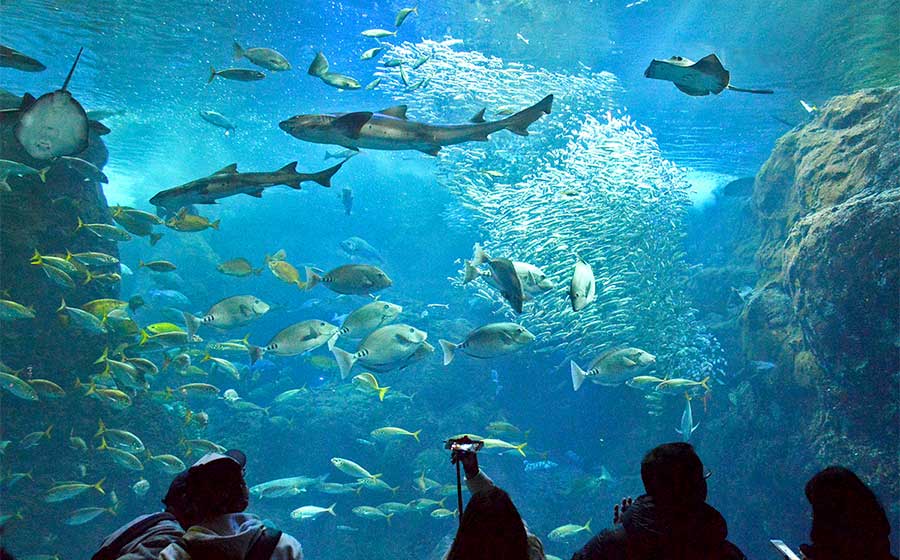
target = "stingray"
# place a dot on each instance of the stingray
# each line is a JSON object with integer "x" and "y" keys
{"x": 703, "y": 77}
{"x": 53, "y": 125}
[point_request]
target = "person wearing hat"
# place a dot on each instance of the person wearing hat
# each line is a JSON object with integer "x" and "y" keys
{"x": 145, "y": 537}
{"x": 215, "y": 497}
{"x": 672, "y": 520}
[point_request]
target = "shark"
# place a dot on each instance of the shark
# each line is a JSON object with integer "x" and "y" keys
{"x": 390, "y": 129}
{"x": 54, "y": 124}
{"x": 229, "y": 182}
{"x": 703, "y": 77}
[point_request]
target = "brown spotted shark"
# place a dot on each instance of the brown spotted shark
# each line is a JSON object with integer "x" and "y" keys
{"x": 389, "y": 129}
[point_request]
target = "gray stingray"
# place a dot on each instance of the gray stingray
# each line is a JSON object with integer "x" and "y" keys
{"x": 703, "y": 77}
{"x": 55, "y": 124}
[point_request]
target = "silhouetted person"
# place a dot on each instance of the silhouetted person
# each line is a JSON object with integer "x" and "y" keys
{"x": 215, "y": 497}
{"x": 847, "y": 519}
{"x": 491, "y": 527}
{"x": 672, "y": 521}
{"x": 146, "y": 536}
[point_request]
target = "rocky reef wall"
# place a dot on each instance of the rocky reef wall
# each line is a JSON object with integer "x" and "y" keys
{"x": 808, "y": 313}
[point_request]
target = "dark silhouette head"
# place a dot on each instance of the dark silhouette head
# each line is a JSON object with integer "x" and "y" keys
{"x": 491, "y": 529}
{"x": 847, "y": 519}
{"x": 213, "y": 486}
{"x": 673, "y": 475}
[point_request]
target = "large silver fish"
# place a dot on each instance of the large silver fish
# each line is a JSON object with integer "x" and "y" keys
{"x": 389, "y": 129}
{"x": 53, "y": 125}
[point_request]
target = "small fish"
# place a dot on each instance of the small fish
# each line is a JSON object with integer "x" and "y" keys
{"x": 403, "y": 14}
{"x": 85, "y": 168}
{"x": 350, "y": 279}
{"x": 11, "y": 311}
{"x": 489, "y": 341}
{"x": 568, "y": 532}
{"x": 104, "y": 231}
{"x": 34, "y": 438}
{"x": 185, "y": 222}
{"x": 239, "y": 267}
{"x": 520, "y": 37}
{"x": 17, "y": 387}
{"x": 8, "y": 168}
{"x": 217, "y": 119}
{"x": 373, "y": 84}
{"x": 237, "y": 74}
{"x": 687, "y": 421}
{"x": 311, "y": 512}
{"x": 140, "y": 487}
{"x": 378, "y": 33}
{"x": 369, "y": 512}
{"x": 371, "y": 53}
{"x": 392, "y": 432}
{"x": 367, "y": 382}
{"x": 157, "y": 266}
{"x": 84, "y": 515}
{"x": 266, "y": 58}
{"x": 67, "y": 491}
{"x": 350, "y": 468}
{"x": 442, "y": 513}
{"x": 168, "y": 463}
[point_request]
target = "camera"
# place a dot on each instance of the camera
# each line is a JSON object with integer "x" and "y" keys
{"x": 464, "y": 443}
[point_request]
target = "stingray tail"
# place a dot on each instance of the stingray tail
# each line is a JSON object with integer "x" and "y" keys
{"x": 743, "y": 90}
{"x": 72, "y": 70}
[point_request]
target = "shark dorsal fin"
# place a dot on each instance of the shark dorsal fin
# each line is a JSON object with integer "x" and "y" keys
{"x": 350, "y": 124}
{"x": 398, "y": 111}
{"x": 289, "y": 168}
{"x": 478, "y": 117}
{"x": 227, "y": 169}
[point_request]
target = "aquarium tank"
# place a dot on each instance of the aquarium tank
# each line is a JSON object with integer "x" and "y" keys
{"x": 338, "y": 235}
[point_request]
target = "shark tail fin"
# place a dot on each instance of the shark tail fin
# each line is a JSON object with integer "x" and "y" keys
{"x": 212, "y": 74}
{"x": 237, "y": 51}
{"x": 324, "y": 177}
{"x": 744, "y": 90}
{"x": 519, "y": 123}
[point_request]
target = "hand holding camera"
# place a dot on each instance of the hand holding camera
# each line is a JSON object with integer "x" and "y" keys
{"x": 465, "y": 451}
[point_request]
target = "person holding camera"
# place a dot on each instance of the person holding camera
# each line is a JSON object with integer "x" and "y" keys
{"x": 491, "y": 527}
{"x": 672, "y": 520}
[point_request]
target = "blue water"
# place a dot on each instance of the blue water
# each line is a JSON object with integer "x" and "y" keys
{"x": 640, "y": 153}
